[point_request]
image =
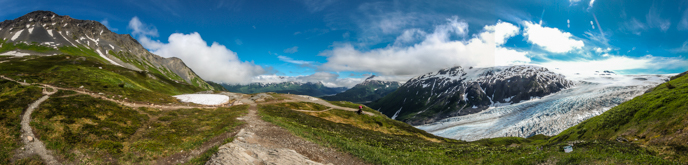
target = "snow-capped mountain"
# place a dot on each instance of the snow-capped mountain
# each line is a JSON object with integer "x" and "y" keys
{"x": 301, "y": 88}
{"x": 366, "y": 91}
{"x": 458, "y": 91}
{"x": 551, "y": 114}
{"x": 46, "y": 33}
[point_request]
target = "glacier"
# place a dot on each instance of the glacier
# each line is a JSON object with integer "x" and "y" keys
{"x": 549, "y": 115}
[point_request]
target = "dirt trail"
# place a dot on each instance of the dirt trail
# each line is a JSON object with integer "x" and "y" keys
{"x": 33, "y": 145}
{"x": 125, "y": 103}
{"x": 260, "y": 142}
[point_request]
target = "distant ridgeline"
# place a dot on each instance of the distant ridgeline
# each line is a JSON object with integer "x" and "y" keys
{"x": 458, "y": 91}
{"x": 299, "y": 88}
{"x": 367, "y": 91}
{"x": 46, "y": 33}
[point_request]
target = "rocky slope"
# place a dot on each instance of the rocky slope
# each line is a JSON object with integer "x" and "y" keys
{"x": 46, "y": 33}
{"x": 299, "y": 88}
{"x": 367, "y": 91}
{"x": 459, "y": 91}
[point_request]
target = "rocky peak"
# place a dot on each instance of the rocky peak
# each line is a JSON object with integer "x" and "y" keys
{"x": 46, "y": 28}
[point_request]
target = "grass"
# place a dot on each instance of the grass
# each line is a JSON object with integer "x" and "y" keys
{"x": 658, "y": 119}
{"x": 86, "y": 130}
{"x": 14, "y": 99}
{"x": 74, "y": 72}
{"x": 405, "y": 146}
{"x": 10, "y": 46}
{"x": 304, "y": 106}
{"x": 354, "y": 106}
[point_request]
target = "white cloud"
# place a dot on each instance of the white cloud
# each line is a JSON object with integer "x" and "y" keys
{"x": 574, "y": 1}
{"x": 655, "y": 21}
{"x": 600, "y": 50}
{"x": 434, "y": 52}
{"x": 106, "y": 23}
{"x": 328, "y": 79}
{"x": 551, "y": 39}
{"x": 140, "y": 29}
{"x": 213, "y": 63}
{"x": 591, "y": 2}
{"x": 291, "y": 50}
{"x": 291, "y": 60}
{"x": 616, "y": 63}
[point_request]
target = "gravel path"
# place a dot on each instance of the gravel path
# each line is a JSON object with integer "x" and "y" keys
{"x": 31, "y": 144}
{"x": 261, "y": 142}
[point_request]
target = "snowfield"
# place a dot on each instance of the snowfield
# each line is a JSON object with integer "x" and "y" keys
{"x": 549, "y": 115}
{"x": 203, "y": 99}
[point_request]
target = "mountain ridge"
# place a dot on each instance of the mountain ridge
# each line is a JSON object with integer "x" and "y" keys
{"x": 48, "y": 29}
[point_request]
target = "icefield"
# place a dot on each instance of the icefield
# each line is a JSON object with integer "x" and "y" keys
{"x": 548, "y": 115}
{"x": 203, "y": 99}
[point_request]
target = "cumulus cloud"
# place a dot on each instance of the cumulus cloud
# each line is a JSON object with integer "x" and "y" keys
{"x": 328, "y": 79}
{"x": 214, "y": 62}
{"x": 434, "y": 52}
{"x": 551, "y": 39}
{"x": 591, "y": 2}
{"x": 291, "y": 50}
{"x": 616, "y": 63}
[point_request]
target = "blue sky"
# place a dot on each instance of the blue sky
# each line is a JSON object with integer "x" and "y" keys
{"x": 340, "y": 42}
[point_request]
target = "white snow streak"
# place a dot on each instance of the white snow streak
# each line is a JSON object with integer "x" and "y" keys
{"x": 106, "y": 58}
{"x": 16, "y": 35}
{"x": 396, "y": 113}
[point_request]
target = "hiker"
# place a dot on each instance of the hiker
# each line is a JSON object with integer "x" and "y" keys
{"x": 360, "y": 109}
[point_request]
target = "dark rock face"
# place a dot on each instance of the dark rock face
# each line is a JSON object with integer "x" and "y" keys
{"x": 49, "y": 29}
{"x": 456, "y": 92}
{"x": 367, "y": 91}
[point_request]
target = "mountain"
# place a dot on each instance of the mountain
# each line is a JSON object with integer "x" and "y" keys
{"x": 593, "y": 95}
{"x": 367, "y": 91}
{"x": 457, "y": 91}
{"x": 299, "y": 88}
{"x": 46, "y": 33}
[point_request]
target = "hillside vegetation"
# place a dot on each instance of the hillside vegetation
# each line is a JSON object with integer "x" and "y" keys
{"x": 81, "y": 69}
{"x": 380, "y": 140}
{"x": 82, "y": 129}
{"x": 657, "y": 119}
{"x": 14, "y": 99}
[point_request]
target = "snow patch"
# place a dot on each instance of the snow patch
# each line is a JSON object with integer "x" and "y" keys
{"x": 31, "y": 30}
{"x": 51, "y": 33}
{"x": 203, "y": 99}
{"x": 106, "y": 58}
{"x": 15, "y": 53}
{"x": 396, "y": 113}
{"x": 16, "y": 35}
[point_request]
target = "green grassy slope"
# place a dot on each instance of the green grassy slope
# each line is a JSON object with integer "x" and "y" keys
{"x": 70, "y": 71}
{"x": 380, "y": 140}
{"x": 103, "y": 132}
{"x": 14, "y": 99}
{"x": 658, "y": 119}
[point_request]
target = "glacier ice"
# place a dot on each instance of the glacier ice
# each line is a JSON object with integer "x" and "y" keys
{"x": 548, "y": 115}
